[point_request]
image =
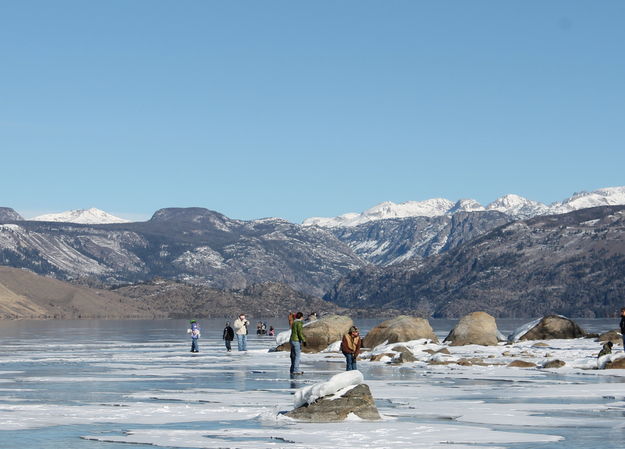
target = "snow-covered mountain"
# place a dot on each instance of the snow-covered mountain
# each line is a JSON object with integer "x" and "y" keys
{"x": 429, "y": 208}
{"x": 609, "y": 196}
{"x": 518, "y": 207}
{"x": 82, "y": 216}
{"x": 515, "y": 206}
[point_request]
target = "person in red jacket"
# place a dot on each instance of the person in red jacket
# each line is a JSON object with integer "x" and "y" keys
{"x": 350, "y": 347}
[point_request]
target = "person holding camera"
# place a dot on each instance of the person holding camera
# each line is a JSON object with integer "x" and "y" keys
{"x": 297, "y": 340}
{"x": 240, "y": 329}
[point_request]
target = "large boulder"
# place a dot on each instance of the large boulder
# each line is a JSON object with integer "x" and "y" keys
{"x": 322, "y": 333}
{"x": 335, "y": 400}
{"x": 399, "y": 329}
{"x": 477, "y": 328}
{"x": 614, "y": 336}
{"x": 549, "y": 327}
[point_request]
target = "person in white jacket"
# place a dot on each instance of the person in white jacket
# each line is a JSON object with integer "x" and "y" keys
{"x": 240, "y": 329}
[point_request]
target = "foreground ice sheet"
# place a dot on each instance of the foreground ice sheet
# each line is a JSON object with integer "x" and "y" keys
{"x": 388, "y": 434}
{"x": 157, "y": 394}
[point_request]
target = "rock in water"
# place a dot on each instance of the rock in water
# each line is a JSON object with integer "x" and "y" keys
{"x": 553, "y": 326}
{"x": 358, "y": 401}
{"x": 401, "y": 328}
{"x": 322, "y": 333}
{"x": 477, "y": 328}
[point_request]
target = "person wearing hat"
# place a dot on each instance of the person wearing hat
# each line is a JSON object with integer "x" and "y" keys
{"x": 240, "y": 329}
{"x": 228, "y": 335}
{"x": 350, "y": 347}
{"x": 195, "y": 335}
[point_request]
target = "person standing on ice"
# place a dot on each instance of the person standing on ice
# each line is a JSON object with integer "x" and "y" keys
{"x": 195, "y": 335}
{"x": 228, "y": 336}
{"x": 240, "y": 329}
{"x": 350, "y": 347}
{"x": 297, "y": 340}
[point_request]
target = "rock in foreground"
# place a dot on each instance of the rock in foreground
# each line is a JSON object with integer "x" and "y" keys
{"x": 334, "y": 400}
{"x": 477, "y": 328}
{"x": 399, "y": 329}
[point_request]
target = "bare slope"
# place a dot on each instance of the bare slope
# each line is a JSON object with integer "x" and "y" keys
{"x": 27, "y": 295}
{"x": 180, "y": 300}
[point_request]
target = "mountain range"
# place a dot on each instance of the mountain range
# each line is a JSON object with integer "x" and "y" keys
{"x": 374, "y": 256}
{"x": 513, "y": 205}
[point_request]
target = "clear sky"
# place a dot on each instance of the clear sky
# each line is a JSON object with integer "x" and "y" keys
{"x": 306, "y": 108}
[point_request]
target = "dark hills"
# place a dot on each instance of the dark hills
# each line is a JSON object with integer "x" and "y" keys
{"x": 572, "y": 264}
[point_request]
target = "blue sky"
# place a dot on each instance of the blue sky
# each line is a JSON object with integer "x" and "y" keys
{"x": 298, "y": 109}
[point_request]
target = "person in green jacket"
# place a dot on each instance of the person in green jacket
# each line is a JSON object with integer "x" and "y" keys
{"x": 297, "y": 340}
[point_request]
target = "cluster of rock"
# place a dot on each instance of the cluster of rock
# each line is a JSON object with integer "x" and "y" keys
{"x": 387, "y": 341}
{"x": 394, "y": 340}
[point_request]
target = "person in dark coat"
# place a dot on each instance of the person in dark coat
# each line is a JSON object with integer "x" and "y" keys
{"x": 228, "y": 335}
{"x": 622, "y": 326}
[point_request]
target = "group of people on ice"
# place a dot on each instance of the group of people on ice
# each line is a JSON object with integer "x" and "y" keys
{"x": 350, "y": 344}
{"x": 239, "y": 329}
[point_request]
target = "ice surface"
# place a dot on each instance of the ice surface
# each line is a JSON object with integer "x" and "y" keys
{"x": 151, "y": 391}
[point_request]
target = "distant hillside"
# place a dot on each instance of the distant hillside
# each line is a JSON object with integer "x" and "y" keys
{"x": 179, "y": 300}
{"x": 27, "y": 295}
{"x": 573, "y": 264}
{"x": 193, "y": 245}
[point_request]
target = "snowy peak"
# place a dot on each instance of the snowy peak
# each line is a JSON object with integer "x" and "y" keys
{"x": 429, "y": 208}
{"x": 609, "y": 196}
{"x": 466, "y": 205}
{"x": 518, "y": 206}
{"x": 81, "y": 216}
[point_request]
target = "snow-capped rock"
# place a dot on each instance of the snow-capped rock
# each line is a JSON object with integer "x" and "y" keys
{"x": 82, "y": 216}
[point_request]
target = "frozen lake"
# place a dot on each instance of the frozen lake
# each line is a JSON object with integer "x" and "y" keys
{"x": 106, "y": 384}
